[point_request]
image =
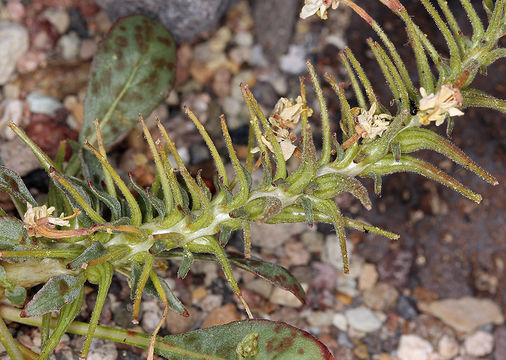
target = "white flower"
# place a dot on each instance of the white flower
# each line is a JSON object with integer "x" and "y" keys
{"x": 284, "y": 118}
{"x": 370, "y": 124}
{"x": 33, "y": 214}
{"x": 436, "y": 107}
{"x": 318, "y": 7}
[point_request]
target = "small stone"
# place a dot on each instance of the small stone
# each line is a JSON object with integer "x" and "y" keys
{"x": 199, "y": 293}
{"x": 394, "y": 268}
{"x": 11, "y": 111}
{"x": 260, "y": 286}
{"x": 69, "y": 45}
{"x": 294, "y": 62}
{"x": 59, "y": 18}
{"x": 346, "y": 285}
{"x": 102, "y": 350}
{"x": 500, "y": 343}
{"x": 15, "y": 10}
{"x": 178, "y": 324}
{"x": 87, "y": 49}
{"x": 269, "y": 236}
{"x": 244, "y": 39}
{"x": 340, "y": 322}
{"x": 151, "y": 315}
{"x": 211, "y": 302}
{"x": 332, "y": 254}
{"x": 313, "y": 240}
{"x": 296, "y": 253}
{"x": 361, "y": 351}
{"x": 479, "y": 344}
{"x": 285, "y": 298}
{"x": 42, "y": 104}
{"x": 31, "y": 60}
{"x": 413, "y": 347}
{"x": 447, "y": 347}
{"x": 368, "y": 277}
{"x": 406, "y": 309}
{"x": 467, "y": 313}
{"x": 320, "y": 318}
{"x": 382, "y": 297}
{"x": 363, "y": 319}
{"x": 221, "y": 315}
{"x": 18, "y": 157}
{"x": 14, "y": 43}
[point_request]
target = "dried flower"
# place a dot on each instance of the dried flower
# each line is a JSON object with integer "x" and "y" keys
{"x": 284, "y": 118}
{"x": 370, "y": 125}
{"x": 318, "y": 7}
{"x": 38, "y": 221}
{"x": 436, "y": 107}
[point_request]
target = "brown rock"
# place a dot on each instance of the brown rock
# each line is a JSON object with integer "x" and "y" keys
{"x": 222, "y": 315}
{"x": 178, "y": 324}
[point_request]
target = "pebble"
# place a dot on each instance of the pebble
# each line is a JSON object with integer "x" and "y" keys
{"x": 87, "y": 49}
{"x": 320, "y": 319}
{"x": 294, "y": 62}
{"x": 11, "y": 111}
{"x": 313, "y": 240}
{"x": 59, "y": 18}
{"x": 382, "y": 297}
{"x": 211, "y": 302}
{"x": 69, "y": 45}
{"x": 406, "y": 309}
{"x": 368, "y": 277}
{"x": 18, "y": 157}
{"x": 413, "y": 347}
{"x": 15, "y": 10}
{"x": 42, "y": 104}
{"x": 296, "y": 253}
{"x": 221, "y": 315}
{"x": 394, "y": 268}
{"x": 332, "y": 254}
{"x": 479, "y": 344}
{"x": 500, "y": 342}
{"x": 346, "y": 285}
{"x": 151, "y": 315}
{"x": 467, "y": 313}
{"x": 361, "y": 351}
{"x": 447, "y": 347}
{"x": 260, "y": 286}
{"x": 285, "y": 298}
{"x": 363, "y": 319}
{"x": 14, "y": 43}
{"x": 178, "y": 324}
{"x": 269, "y": 236}
{"x": 102, "y": 350}
{"x": 339, "y": 321}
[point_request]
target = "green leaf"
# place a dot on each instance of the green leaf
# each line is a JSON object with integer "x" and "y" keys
{"x": 132, "y": 73}
{"x": 58, "y": 291}
{"x": 273, "y": 273}
{"x": 13, "y": 233}
{"x": 94, "y": 251}
{"x": 11, "y": 183}
{"x": 17, "y": 295}
{"x": 244, "y": 339}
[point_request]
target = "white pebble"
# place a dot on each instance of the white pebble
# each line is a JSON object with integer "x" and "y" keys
{"x": 479, "y": 344}
{"x": 413, "y": 347}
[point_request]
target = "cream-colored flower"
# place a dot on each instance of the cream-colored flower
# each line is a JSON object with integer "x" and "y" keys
{"x": 370, "y": 124}
{"x": 318, "y": 7}
{"x": 33, "y": 214}
{"x": 284, "y": 118}
{"x": 436, "y": 107}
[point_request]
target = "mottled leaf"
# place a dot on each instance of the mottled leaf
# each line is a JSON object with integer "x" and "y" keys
{"x": 276, "y": 274}
{"x": 248, "y": 339}
{"x": 58, "y": 291}
{"x": 132, "y": 73}
{"x": 17, "y": 295}
{"x": 13, "y": 233}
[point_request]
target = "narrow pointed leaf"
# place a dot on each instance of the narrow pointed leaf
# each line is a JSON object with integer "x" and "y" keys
{"x": 93, "y": 251}
{"x": 330, "y": 185}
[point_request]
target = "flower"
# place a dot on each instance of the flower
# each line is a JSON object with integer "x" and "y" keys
{"x": 318, "y": 7}
{"x": 370, "y": 125}
{"x": 38, "y": 221}
{"x": 436, "y": 107}
{"x": 284, "y": 118}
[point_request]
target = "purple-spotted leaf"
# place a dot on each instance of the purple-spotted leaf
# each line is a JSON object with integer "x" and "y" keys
{"x": 276, "y": 274}
{"x": 132, "y": 73}
{"x": 248, "y": 339}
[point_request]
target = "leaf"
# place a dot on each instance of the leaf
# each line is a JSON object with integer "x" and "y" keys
{"x": 266, "y": 339}
{"x": 94, "y": 251}
{"x": 273, "y": 273}
{"x": 58, "y": 291}
{"x": 12, "y": 183}
{"x": 13, "y": 233}
{"x": 17, "y": 295}
{"x": 132, "y": 73}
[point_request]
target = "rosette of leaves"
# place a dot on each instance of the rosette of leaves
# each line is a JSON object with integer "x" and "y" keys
{"x": 104, "y": 229}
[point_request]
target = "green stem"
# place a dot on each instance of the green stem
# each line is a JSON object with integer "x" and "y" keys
{"x": 9, "y": 343}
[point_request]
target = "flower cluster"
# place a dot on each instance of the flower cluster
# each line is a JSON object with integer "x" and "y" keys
{"x": 436, "y": 107}
{"x": 40, "y": 217}
{"x": 283, "y": 120}
{"x": 318, "y": 7}
{"x": 369, "y": 125}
